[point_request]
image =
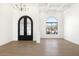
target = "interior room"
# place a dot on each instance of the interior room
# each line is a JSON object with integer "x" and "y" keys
{"x": 39, "y": 29}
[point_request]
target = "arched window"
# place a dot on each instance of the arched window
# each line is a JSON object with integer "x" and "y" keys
{"x": 52, "y": 25}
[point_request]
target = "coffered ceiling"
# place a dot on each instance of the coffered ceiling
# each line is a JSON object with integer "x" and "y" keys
{"x": 45, "y": 7}
{"x": 54, "y": 6}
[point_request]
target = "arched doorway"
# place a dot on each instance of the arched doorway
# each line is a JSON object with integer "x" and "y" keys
{"x": 25, "y": 28}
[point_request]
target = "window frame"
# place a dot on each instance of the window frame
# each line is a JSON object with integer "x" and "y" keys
{"x": 51, "y": 26}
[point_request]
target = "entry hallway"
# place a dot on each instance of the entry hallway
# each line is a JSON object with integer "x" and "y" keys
{"x": 47, "y": 47}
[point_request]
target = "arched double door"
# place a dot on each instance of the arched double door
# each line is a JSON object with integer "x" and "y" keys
{"x": 25, "y": 28}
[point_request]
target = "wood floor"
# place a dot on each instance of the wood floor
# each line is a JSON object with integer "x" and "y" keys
{"x": 47, "y": 47}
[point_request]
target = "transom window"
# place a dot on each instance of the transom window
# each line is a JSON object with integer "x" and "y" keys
{"x": 51, "y": 26}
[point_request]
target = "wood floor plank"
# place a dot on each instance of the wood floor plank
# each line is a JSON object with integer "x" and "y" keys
{"x": 47, "y": 47}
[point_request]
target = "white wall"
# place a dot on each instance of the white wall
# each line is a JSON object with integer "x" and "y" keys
{"x": 34, "y": 14}
{"x": 5, "y": 24}
{"x": 71, "y": 24}
{"x": 43, "y": 18}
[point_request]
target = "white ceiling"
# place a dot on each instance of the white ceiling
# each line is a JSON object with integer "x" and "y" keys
{"x": 54, "y": 6}
{"x": 51, "y": 6}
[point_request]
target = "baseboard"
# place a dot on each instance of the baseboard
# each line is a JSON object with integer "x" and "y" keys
{"x": 50, "y": 38}
{"x": 74, "y": 42}
{"x": 4, "y": 42}
{"x": 38, "y": 41}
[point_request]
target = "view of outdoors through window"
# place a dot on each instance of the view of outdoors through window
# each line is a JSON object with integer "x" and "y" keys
{"x": 52, "y": 26}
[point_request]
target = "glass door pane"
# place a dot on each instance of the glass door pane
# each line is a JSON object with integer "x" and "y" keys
{"x": 22, "y": 26}
{"x": 28, "y": 26}
{"x": 55, "y": 28}
{"x": 48, "y": 28}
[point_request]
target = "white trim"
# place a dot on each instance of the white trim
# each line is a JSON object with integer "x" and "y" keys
{"x": 4, "y": 42}
{"x": 74, "y": 42}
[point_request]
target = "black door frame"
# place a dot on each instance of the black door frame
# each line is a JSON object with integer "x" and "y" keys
{"x": 25, "y": 36}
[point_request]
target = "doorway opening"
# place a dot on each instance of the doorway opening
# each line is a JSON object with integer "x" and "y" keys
{"x": 25, "y": 28}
